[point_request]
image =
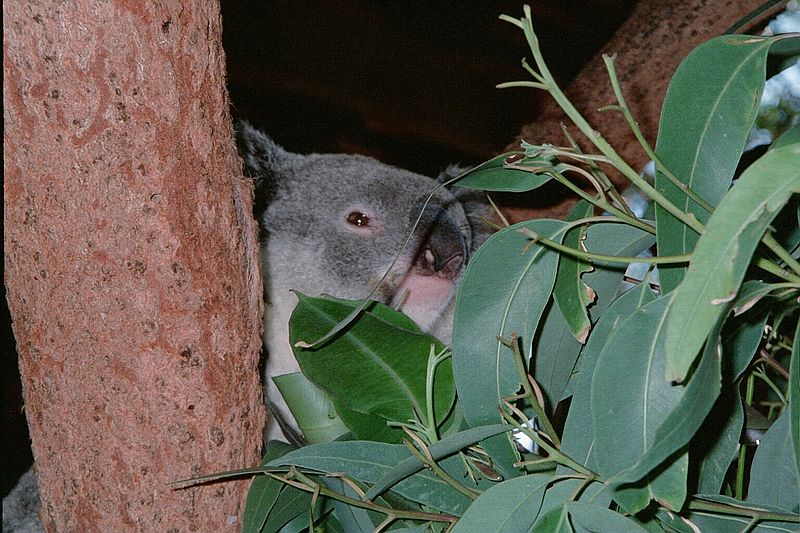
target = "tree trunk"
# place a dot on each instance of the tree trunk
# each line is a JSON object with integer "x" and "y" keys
{"x": 130, "y": 262}
{"x": 648, "y": 46}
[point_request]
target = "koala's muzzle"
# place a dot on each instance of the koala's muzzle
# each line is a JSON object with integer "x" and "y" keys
{"x": 443, "y": 249}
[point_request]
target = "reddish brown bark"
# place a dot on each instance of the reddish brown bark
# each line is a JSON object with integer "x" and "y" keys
{"x": 130, "y": 262}
{"x": 649, "y": 46}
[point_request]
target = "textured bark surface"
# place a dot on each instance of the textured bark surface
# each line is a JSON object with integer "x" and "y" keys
{"x": 649, "y": 46}
{"x": 130, "y": 262}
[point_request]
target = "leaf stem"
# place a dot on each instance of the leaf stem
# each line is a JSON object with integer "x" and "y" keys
{"x": 605, "y": 148}
{"x": 526, "y": 385}
{"x": 735, "y": 510}
{"x": 592, "y": 257}
{"x": 553, "y": 452}
{"x": 770, "y": 242}
{"x": 637, "y": 132}
{"x": 304, "y": 483}
{"x": 429, "y": 462}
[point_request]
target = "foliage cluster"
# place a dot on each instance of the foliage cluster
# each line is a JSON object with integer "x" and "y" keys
{"x": 575, "y": 396}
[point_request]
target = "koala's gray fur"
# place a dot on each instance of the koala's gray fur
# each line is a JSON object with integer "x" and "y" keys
{"x": 310, "y": 246}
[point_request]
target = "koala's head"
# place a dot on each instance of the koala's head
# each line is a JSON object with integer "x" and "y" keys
{"x": 334, "y": 223}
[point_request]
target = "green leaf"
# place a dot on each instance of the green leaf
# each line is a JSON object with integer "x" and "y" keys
{"x": 741, "y": 338}
{"x": 711, "y": 103}
{"x": 717, "y": 442}
{"x": 571, "y": 294}
{"x": 376, "y": 365}
{"x": 438, "y": 450}
{"x": 630, "y": 400}
{"x": 504, "y": 290}
{"x": 367, "y": 426}
{"x": 581, "y": 517}
{"x": 369, "y": 462}
{"x": 508, "y": 507}
{"x": 264, "y": 491}
{"x": 352, "y": 519}
{"x": 563, "y": 489}
{"x": 774, "y": 475}
{"x": 311, "y": 407}
{"x": 683, "y": 421}
{"x": 723, "y": 253}
{"x": 290, "y": 505}
{"x": 595, "y": 519}
{"x": 494, "y": 175}
{"x": 578, "y": 438}
{"x": 612, "y": 239}
{"x": 555, "y": 520}
{"x": 555, "y": 352}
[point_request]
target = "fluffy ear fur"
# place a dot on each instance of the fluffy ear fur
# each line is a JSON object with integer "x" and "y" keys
{"x": 263, "y": 161}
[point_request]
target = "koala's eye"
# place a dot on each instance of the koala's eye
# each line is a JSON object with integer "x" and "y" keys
{"x": 356, "y": 218}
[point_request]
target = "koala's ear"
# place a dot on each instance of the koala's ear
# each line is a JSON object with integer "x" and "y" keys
{"x": 262, "y": 156}
{"x": 450, "y": 172}
{"x": 264, "y": 161}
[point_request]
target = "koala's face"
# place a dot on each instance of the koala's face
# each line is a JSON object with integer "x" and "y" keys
{"x": 342, "y": 219}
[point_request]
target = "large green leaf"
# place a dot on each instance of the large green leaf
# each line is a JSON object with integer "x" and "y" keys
{"x": 311, "y": 408}
{"x": 716, "y": 444}
{"x": 555, "y": 352}
{"x": 494, "y": 175}
{"x": 508, "y": 507}
{"x": 376, "y": 365}
{"x": 571, "y": 294}
{"x": 711, "y": 103}
{"x": 605, "y": 278}
{"x": 578, "y": 438}
{"x": 630, "y": 400}
{"x": 504, "y": 291}
{"x": 773, "y": 476}
{"x": 723, "y": 253}
{"x": 683, "y": 421}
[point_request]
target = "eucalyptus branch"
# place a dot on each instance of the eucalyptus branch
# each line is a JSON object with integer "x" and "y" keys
{"x": 759, "y": 515}
{"x": 592, "y": 257}
{"x": 429, "y": 462}
{"x": 768, "y": 240}
{"x": 605, "y": 148}
{"x": 304, "y": 483}
{"x": 637, "y": 132}
{"x": 602, "y": 204}
{"x": 522, "y": 373}
{"x": 431, "y": 427}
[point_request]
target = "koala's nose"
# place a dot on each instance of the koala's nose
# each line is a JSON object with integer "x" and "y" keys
{"x": 444, "y": 250}
{"x": 445, "y": 267}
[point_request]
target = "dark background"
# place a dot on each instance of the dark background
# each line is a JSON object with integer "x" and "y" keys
{"x": 410, "y": 83}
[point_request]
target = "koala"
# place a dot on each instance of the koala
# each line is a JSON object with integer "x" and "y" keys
{"x": 334, "y": 223}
